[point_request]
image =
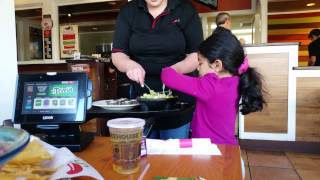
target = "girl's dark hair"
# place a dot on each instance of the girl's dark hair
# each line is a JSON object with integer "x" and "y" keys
{"x": 225, "y": 46}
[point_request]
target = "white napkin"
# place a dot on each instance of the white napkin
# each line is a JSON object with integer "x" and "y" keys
{"x": 195, "y": 146}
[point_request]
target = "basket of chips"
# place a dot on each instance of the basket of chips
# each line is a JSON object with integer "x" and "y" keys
{"x": 41, "y": 161}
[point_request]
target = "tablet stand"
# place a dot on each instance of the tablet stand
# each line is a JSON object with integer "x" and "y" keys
{"x": 61, "y": 135}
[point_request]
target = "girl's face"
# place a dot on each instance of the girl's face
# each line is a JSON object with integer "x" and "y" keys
{"x": 204, "y": 66}
{"x": 155, "y": 3}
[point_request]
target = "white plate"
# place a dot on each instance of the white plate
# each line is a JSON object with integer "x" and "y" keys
{"x": 103, "y": 104}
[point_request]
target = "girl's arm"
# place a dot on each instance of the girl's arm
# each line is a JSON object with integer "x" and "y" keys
{"x": 190, "y": 85}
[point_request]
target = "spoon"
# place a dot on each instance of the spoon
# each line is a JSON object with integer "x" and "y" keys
{"x": 150, "y": 90}
{"x": 163, "y": 87}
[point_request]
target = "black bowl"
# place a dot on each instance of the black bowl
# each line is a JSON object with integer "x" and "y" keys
{"x": 156, "y": 104}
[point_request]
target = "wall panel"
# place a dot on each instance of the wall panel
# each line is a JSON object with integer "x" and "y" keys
{"x": 293, "y": 28}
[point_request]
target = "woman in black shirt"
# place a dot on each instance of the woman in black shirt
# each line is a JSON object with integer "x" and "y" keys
{"x": 150, "y": 35}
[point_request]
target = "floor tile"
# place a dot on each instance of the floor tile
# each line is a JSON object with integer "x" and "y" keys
{"x": 307, "y": 165}
{"x": 306, "y": 174}
{"x": 270, "y": 173}
{"x": 268, "y": 159}
{"x": 305, "y": 161}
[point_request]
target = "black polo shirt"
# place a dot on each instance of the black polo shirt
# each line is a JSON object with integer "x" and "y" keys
{"x": 314, "y": 50}
{"x": 157, "y": 42}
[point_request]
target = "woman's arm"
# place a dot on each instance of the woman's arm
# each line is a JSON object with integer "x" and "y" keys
{"x": 193, "y": 34}
{"x": 133, "y": 70}
{"x": 312, "y": 54}
{"x": 120, "y": 49}
{"x": 189, "y": 64}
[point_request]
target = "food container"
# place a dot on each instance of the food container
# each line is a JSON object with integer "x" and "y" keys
{"x": 157, "y": 103}
{"x": 126, "y": 137}
{"x": 12, "y": 141}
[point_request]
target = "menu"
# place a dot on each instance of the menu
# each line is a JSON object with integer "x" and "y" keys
{"x": 69, "y": 42}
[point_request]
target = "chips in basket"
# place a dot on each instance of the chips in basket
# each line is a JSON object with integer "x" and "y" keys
{"x": 28, "y": 164}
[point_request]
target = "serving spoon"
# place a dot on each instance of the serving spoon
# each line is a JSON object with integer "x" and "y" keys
{"x": 163, "y": 87}
{"x": 149, "y": 89}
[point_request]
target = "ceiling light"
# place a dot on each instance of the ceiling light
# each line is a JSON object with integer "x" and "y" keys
{"x": 69, "y": 14}
{"x": 310, "y": 4}
{"x": 94, "y": 28}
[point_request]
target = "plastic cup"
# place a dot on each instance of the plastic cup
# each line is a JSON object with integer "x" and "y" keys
{"x": 126, "y": 135}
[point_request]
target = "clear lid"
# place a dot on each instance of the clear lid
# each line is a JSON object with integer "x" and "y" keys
{"x": 126, "y": 123}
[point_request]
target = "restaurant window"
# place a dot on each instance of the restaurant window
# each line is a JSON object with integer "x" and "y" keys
{"x": 242, "y": 27}
{"x": 88, "y": 28}
{"x": 29, "y": 34}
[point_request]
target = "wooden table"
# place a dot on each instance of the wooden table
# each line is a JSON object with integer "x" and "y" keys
{"x": 227, "y": 166}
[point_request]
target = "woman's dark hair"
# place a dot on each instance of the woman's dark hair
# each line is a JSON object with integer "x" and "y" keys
{"x": 225, "y": 46}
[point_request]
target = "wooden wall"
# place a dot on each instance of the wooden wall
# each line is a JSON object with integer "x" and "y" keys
{"x": 293, "y": 28}
{"x": 224, "y": 5}
{"x": 42, "y": 68}
{"x": 308, "y": 109}
{"x": 274, "y": 117}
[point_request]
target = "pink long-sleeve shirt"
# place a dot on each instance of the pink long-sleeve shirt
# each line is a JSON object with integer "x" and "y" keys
{"x": 216, "y": 103}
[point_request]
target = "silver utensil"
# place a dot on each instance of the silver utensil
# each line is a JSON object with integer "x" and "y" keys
{"x": 163, "y": 87}
{"x": 150, "y": 90}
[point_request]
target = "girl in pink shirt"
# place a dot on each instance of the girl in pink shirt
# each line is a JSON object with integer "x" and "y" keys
{"x": 225, "y": 77}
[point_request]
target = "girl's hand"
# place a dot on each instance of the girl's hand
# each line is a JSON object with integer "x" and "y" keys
{"x": 135, "y": 72}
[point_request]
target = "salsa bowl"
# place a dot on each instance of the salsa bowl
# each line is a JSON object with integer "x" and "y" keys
{"x": 12, "y": 141}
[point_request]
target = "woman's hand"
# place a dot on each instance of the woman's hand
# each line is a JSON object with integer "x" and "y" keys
{"x": 135, "y": 72}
